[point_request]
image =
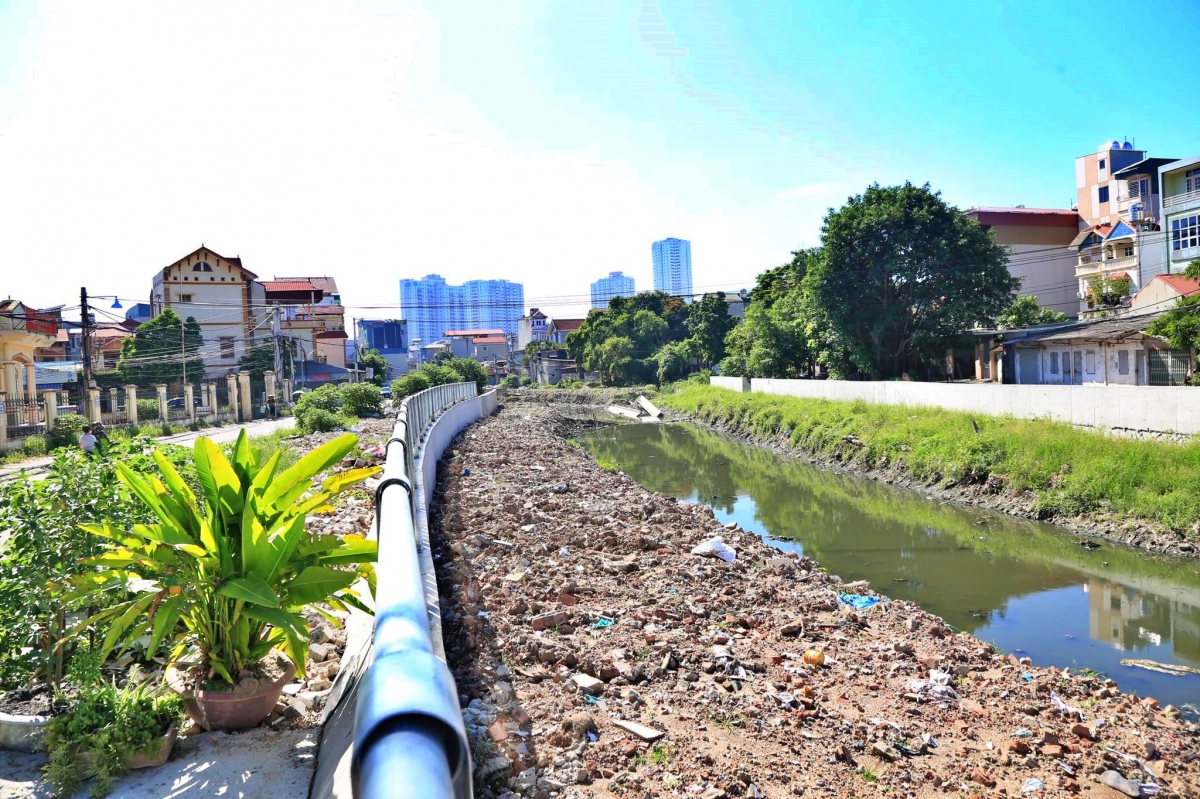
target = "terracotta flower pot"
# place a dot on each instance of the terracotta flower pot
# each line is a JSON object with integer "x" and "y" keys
{"x": 226, "y": 710}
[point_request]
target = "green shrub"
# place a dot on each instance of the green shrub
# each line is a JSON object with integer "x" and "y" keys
{"x": 35, "y": 446}
{"x": 510, "y": 381}
{"x": 319, "y": 420}
{"x": 468, "y": 370}
{"x": 326, "y": 398}
{"x": 410, "y": 384}
{"x": 66, "y": 430}
{"x": 147, "y": 410}
{"x": 362, "y": 399}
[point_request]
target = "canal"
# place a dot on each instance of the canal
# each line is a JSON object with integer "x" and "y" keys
{"x": 1027, "y": 587}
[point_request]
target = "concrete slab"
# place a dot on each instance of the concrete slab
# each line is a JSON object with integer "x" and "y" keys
{"x": 259, "y": 764}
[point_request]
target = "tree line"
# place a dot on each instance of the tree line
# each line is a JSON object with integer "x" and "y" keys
{"x": 897, "y": 278}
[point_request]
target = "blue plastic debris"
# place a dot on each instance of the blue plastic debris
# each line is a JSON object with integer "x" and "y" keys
{"x": 1026, "y": 676}
{"x": 857, "y": 601}
{"x": 466, "y": 472}
{"x": 603, "y": 622}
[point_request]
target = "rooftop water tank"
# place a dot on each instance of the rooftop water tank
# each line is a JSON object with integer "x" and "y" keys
{"x": 1126, "y": 146}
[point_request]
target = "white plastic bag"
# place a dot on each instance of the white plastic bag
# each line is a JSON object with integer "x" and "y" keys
{"x": 715, "y": 548}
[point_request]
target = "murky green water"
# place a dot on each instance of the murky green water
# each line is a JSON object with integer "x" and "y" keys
{"x": 1029, "y": 588}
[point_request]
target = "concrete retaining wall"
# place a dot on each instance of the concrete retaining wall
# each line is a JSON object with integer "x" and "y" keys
{"x": 731, "y": 383}
{"x": 1139, "y": 410}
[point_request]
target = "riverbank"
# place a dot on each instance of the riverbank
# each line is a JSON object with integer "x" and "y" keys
{"x": 597, "y": 656}
{"x": 1142, "y": 493}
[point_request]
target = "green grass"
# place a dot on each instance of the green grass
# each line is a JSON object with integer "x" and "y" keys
{"x": 1070, "y": 471}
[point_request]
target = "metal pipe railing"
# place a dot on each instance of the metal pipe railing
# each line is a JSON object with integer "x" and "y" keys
{"x": 409, "y": 739}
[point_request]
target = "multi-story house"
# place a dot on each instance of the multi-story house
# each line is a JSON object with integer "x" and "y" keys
{"x": 320, "y": 323}
{"x": 673, "y": 267}
{"x": 388, "y": 337}
{"x": 617, "y": 284}
{"x": 223, "y": 296}
{"x": 1097, "y": 185}
{"x": 22, "y": 331}
{"x": 1181, "y": 212}
{"x": 534, "y": 327}
{"x": 1038, "y": 240}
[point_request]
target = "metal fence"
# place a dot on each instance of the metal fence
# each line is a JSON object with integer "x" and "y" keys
{"x": 23, "y": 417}
{"x": 408, "y": 723}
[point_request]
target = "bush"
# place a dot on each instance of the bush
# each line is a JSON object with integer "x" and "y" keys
{"x": 319, "y": 420}
{"x": 410, "y": 384}
{"x": 327, "y": 398}
{"x": 362, "y": 399}
{"x": 470, "y": 370}
{"x": 35, "y": 445}
{"x": 510, "y": 381}
{"x": 66, "y": 430}
{"x": 147, "y": 410}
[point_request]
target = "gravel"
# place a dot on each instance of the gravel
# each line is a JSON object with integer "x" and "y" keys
{"x": 706, "y": 660}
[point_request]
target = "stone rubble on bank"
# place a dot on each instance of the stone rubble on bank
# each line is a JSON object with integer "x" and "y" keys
{"x": 596, "y": 656}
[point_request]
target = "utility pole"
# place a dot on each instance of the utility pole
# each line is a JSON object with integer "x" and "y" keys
{"x": 85, "y": 336}
{"x": 183, "y": 350}
{"x": 275, "y": 338}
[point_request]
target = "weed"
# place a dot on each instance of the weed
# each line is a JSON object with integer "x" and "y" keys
{"x": 868, "y": 775}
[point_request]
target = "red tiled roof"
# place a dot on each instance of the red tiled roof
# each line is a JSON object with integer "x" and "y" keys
{"x": 1117, "y": 275}
{"x": 332, "y": 334}
{"x": 1184, "y": 285}
{"x": 472, "y": 333}
{"x": 490, "y": 340}
{"x": 991, "y": 209}
{"x": 328, "y": 310}
{"x": 289, "y": 285}
{"x": 567, "y": 325}
{"x": 325, "y": 284}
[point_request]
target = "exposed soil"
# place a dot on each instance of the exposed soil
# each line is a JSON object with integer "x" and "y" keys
{"x": 597, "y": 656}
{"x": 35, "y": 701}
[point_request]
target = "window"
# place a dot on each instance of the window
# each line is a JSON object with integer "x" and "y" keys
{"x": 1054, "y": 363}
{"x": 1185, "y": 232}
{"x": 1090, "y": 362}
{"x": 1129, "y": 251}
{"x": 1103, "y": 194}
{"x": 1102, "y": 162}
{"x": 1192, "y": 179}
{"x": 202, "y": 267}
{"x": 227, "y": 347}
{"x": 185, "y": 297}
{"x": 1122, "y": 362}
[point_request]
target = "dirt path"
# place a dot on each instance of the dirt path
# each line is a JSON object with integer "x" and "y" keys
{"x": 597, "y": 656}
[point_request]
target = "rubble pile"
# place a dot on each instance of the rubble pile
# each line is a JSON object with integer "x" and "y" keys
{"x": 597, "y": 656}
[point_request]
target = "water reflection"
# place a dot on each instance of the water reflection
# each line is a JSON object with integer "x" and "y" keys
{"x": 1028, "y": 587}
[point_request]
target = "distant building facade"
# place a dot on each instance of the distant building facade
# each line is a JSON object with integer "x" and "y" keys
{"x": 1181, "y": 209}
{"x": 1040, "y": 252}
{"x": 388, "y": 337}
{"x": 673, "y": 266}
{"x": 431, "y": 306}
{"x": 617, "y": 284}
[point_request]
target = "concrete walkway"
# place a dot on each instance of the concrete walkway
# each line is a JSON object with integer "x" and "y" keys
{"x": 220, "y": 435}
{"x": 262, "y": 764}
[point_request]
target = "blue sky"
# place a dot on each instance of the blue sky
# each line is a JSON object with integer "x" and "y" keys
{"x": 544, "y": 142}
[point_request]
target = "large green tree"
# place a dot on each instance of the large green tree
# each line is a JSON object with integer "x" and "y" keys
{"x": 158, "y": 351}
{"x": 902, "y": 274}
{"x": 381, "y": 367}
{"x": 772, "y": 340}
{"x": 709, "y": 323}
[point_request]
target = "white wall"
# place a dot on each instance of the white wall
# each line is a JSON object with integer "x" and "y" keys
{"x": 1128, "y": 409}
{"x": 1048, "y": 273}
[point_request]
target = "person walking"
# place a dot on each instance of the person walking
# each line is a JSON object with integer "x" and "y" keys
{"x": 87, "y": 441}
{"x": 270, "y": 407}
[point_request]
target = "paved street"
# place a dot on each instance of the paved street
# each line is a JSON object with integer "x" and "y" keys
{"x": 220, "y": 435}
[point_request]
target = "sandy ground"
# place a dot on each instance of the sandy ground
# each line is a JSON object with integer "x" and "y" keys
{"x": 597, "y": 656}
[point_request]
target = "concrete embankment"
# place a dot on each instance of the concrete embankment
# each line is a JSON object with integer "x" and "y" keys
{"x": 598, "y": 656}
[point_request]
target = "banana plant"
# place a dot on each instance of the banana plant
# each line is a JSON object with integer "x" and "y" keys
{"x": 224, "y": 577}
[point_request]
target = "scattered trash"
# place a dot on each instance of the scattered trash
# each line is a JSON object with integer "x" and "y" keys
{"x": 935, "y": 688}
{"x": 814, "y": 657}
{"x": 1033, "y": 786}
{"x": 603, "y": 622}
{"x": 1026, "y": 676}
{"x": 1063, "y": 707}
{"x": 858, "y": 601}
{"x": 1022, "y": 733}
{"x": 715, "y": 548}
{"x": 929, "y": 740}
{"x": 466, "y": 472}
{"x": 1174, "y": 669}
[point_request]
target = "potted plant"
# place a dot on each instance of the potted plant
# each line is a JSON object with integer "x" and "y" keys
{"x": 223, "y": 578}
{"x": 105, "y": 732}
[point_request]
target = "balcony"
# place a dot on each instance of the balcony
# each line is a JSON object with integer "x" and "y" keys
{"x": 1182, "y": 202}
{"x": 1090, "y": 266}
